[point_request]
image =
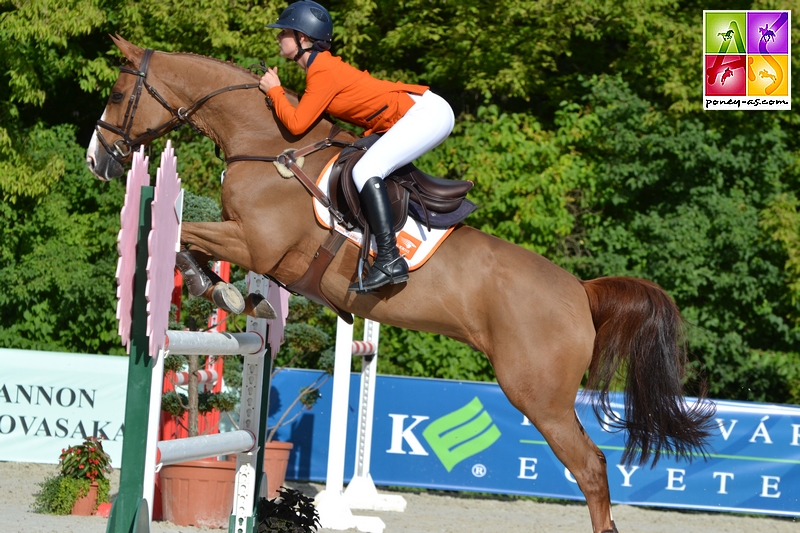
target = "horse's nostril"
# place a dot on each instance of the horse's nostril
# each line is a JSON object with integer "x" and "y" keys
{"x": 90, "y": 162}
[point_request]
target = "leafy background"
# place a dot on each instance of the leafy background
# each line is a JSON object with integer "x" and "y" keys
{"x": 580, "y": 123}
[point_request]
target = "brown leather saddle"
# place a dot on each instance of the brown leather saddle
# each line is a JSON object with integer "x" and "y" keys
{"x": 436, "y": 202}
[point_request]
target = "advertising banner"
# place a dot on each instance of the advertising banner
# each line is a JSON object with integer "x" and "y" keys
{"x": 428, "y": 433}
{"x": 51, "y": 400}
{"x": 466, "y": 436}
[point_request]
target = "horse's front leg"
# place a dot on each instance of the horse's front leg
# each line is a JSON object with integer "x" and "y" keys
{"x": 202, "y": 281}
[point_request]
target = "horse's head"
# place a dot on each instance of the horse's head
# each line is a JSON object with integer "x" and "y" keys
{"x": 135, "y": 114}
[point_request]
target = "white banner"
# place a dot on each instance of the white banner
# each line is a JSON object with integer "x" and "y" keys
{"x": 51, "y": 400}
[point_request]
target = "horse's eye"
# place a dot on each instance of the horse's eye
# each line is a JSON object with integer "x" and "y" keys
{"x": 117, "y": 97}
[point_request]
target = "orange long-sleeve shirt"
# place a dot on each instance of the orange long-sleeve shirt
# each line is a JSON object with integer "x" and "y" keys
{"x": 346, "y": 93}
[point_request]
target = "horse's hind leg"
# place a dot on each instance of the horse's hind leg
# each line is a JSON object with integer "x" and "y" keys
{"x": 573, "y": 447}
{"x": 542, "y": 382}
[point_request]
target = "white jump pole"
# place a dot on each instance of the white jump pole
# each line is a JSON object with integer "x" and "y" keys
{"x": 171, "y": 452}
{"x": 205, "y": 343}
{"x": 361, "y": 492}
{"x": 333, "y": 510}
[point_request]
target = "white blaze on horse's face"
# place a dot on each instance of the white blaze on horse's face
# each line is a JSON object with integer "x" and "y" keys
{"x": 99, "y": 159}
{"x": 92, "y": 155}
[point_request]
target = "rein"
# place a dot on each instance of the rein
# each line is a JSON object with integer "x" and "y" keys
{"x": 122, "y": 148}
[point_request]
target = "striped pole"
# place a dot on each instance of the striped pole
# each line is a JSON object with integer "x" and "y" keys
{"x": 363, "y": 348}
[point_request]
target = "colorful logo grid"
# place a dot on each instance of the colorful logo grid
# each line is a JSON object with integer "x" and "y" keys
{"x": 746, "y": 60}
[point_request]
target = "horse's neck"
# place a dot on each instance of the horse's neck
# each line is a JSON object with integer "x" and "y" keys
{"x": 242, "y": 125}
{"x": 238, "y": 121}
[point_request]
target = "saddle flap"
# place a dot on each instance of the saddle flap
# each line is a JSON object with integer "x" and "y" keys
{"x": 344, "y": 195}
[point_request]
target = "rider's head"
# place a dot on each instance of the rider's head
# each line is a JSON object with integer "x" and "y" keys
{"x": 310, "y": 19}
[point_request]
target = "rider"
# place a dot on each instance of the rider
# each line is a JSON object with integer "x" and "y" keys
{"x": 412, "y": 119}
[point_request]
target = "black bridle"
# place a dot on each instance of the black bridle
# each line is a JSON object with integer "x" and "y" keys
{"x": 122, "y": 147}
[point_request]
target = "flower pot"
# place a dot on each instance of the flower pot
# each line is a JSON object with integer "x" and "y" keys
{"x": 84, "y": 506}
{"x": 276, "y": 461}
{"x": 198, "y": 493}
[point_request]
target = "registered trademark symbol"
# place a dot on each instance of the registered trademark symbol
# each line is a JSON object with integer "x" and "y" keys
{"x": 478, "y": 470}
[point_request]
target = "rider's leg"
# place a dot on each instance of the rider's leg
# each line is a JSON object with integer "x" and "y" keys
{"x": 429, "y": 121}
{"x": 388, "y": 266}
{"x": 424, "y": 126}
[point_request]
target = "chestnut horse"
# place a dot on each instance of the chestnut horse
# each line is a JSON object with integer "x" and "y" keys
{"x": 540, "y": 327}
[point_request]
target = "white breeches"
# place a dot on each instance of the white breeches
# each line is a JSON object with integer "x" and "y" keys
{"x": 424, "y": 126}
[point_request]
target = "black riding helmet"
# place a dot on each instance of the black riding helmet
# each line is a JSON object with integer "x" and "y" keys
{"x": 309, "y": 18}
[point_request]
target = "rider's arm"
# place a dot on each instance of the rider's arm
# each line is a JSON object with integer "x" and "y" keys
{"x": 320, "y": 91}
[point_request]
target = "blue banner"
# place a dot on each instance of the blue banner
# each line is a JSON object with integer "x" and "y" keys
{"x": 466, "y": 436}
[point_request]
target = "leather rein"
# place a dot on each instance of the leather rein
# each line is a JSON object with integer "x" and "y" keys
{"x": 309, "y": 283}
{"x": 122, "y": 147}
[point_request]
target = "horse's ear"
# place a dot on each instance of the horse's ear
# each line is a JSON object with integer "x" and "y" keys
{"x": 132, "y": 52}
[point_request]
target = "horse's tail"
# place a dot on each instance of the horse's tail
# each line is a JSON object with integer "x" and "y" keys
{"x": 640, "y": 335}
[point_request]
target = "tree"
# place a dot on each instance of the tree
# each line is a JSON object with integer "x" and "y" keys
{"x": 705, "y": 213}
{"x": 580, "y": 124}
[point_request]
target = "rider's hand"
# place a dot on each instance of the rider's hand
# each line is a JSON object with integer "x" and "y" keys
{"x": 269, "y": 80}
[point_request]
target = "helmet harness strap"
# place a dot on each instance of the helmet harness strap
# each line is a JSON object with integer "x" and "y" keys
{"x": 300, "y": 49}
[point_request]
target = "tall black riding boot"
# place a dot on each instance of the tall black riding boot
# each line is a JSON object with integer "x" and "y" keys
{"x": 389, "y": 266}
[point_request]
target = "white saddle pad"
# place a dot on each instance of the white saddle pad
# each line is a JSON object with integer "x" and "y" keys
{"x": 415, "y": 242}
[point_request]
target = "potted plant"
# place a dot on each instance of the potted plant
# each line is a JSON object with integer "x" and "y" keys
{"x": 290, "y": 512}
{"x": 81, "y": 483}
{"x": 199, "y": 492}
{"x": 306, "y": 344}
{"x": 184, "y": 500}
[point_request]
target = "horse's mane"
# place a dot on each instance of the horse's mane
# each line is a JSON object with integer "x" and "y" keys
{"x": 234, "y": 66}
{"x": 242, "y": 70}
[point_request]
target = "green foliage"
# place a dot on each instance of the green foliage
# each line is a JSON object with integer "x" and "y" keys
{"x": 174, "y": 403}
{"x": 679, "y": 203}
{"x": 198, "y": 208}
{"x": 781, "y": 218}
{"x": 79, "y": 466}
{"x": 57, "y": 249}
{"x": 221, "y": 401}
{"x": 411, "y": 353}
{"x": 87, "y": 460}
{"x": 308, "y": 337}
{"x": 58, "y": 494}
{"x": 290, "y": 512}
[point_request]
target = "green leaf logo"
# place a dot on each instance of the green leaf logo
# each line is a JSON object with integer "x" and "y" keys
{"x": 461, "y": 434}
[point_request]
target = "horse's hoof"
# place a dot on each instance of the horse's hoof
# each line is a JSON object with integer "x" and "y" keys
{"x": 259, "y": 307}
{"x": 228, "y": 298}
{"x": 613, "y": 528}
